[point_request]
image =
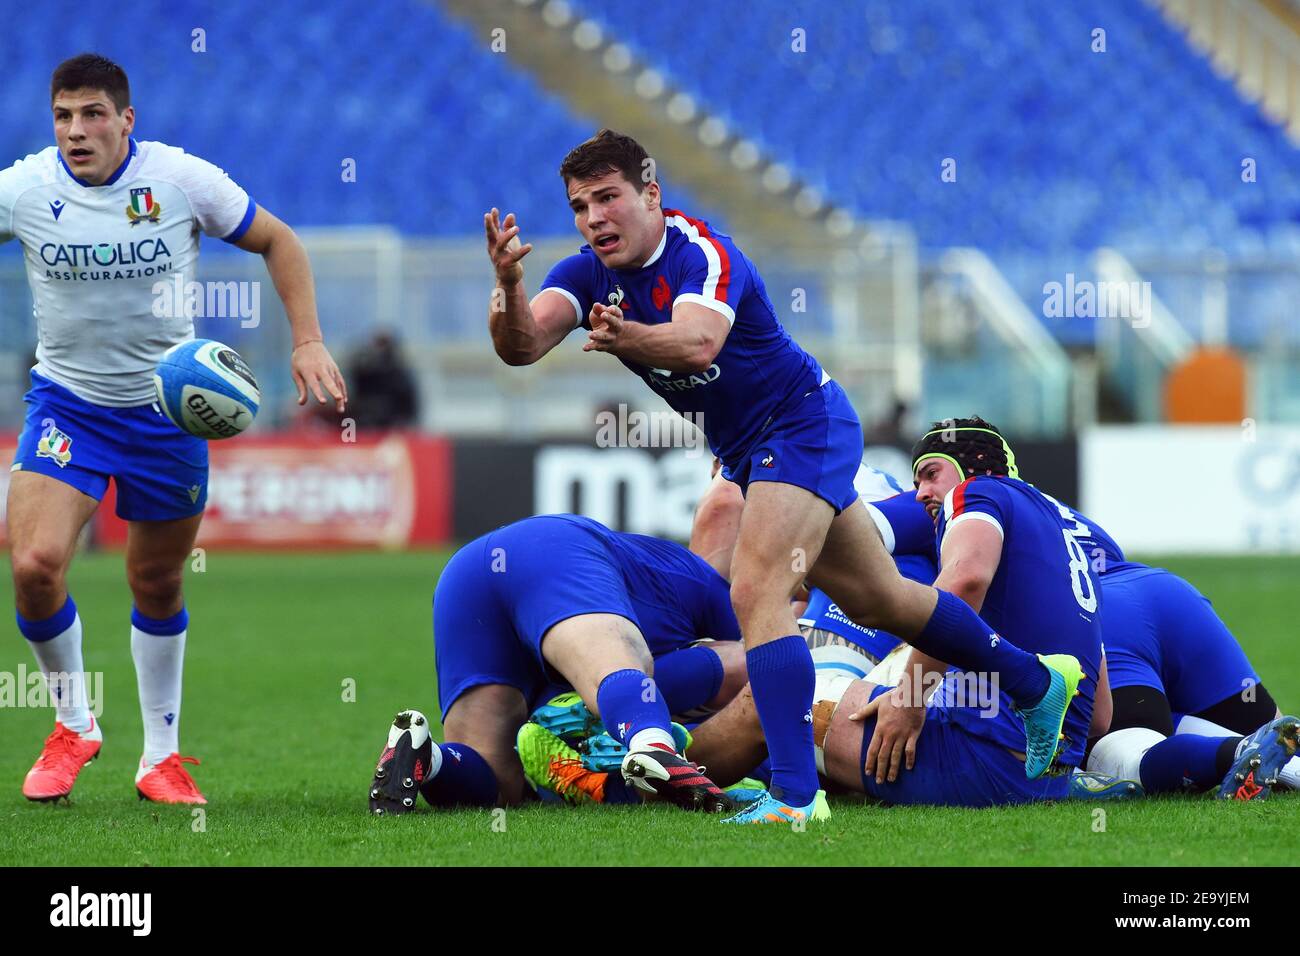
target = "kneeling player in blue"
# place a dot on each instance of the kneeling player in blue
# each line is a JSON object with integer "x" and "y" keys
{"x": 560, "y": 598}
{"x": 1011, "y": 552}
{"x": 1175, "y": 666}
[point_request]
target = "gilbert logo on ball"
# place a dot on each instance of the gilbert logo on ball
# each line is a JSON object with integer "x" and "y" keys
{"x": 206, "y": 389}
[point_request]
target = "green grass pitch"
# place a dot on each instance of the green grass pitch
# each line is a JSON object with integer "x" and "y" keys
{"x": 286, "y": 759}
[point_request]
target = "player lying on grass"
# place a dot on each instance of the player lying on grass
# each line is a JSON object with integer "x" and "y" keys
{"x": 559, "y": 597}
{"x": 101, "y": 217}
{"x": 682, "y": 307}
{"x": 1011, "y": 552}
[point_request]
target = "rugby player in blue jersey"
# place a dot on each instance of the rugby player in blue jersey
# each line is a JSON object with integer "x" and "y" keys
{"x": 682, "y": 307}
{"x": 1012, "y": 552}
{"x": 563, "y": 599}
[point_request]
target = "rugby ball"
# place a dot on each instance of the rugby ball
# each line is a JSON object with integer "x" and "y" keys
{"x": 206, "y": 389}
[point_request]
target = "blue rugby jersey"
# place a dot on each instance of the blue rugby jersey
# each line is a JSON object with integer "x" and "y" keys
{"x": 1044, "y": 598}
{"x": 760, "y": 369}
{"x": 677, "y": 595}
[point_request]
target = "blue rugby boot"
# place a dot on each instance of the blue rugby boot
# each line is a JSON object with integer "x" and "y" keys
{"x": 1093, "y": 785}
{"x": 1044, "y": 720}
{"x": 1260, "y": 759}
{"x": 566, "y": 716}
{"x": 768, "y": 809}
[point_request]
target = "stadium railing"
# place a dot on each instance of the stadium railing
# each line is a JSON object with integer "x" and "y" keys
{"x": 1138, "y": 350}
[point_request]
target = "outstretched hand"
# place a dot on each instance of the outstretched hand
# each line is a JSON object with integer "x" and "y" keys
{"x": 504, "y": 248}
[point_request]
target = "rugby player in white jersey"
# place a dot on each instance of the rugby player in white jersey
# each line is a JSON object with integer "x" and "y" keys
{"x": 102, "y": 218}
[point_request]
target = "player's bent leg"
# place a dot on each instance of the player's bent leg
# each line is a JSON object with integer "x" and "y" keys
{"x": 859, "y": 575}
{"x": 156, "y": 552}
{"x": 478, "y": 765}
{"x": 699, "y": 680}
{"x": 605, "y": 658}
{"x": 44, "y": 517}
{"x": 587, "y": 648}
{"x": 731, "y": 655}
{"x": 945, "y": 627}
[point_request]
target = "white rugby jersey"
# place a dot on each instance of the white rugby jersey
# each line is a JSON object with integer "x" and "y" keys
{"x": 95, "y": 255}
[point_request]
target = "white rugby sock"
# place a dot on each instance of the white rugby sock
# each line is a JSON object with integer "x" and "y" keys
{"x": 1120, "y": 752}
{"x": 159, "y": 659}
{"x": 61, "y": 655}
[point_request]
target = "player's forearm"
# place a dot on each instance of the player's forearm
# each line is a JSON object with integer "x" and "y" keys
{"x": 965, "y": 577}
{"x": 290, "y": 270}
{"x": 512, "y": 326}
{"x": 674, "y": 346}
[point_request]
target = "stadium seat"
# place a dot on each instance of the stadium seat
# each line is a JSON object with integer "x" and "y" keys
{"x": 420, "y": 101}
{"x": 1058, "y": 148}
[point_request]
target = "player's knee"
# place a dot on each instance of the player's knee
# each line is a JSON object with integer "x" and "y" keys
{"x": 153, "y": 586}
{"x": 37, "y": 570}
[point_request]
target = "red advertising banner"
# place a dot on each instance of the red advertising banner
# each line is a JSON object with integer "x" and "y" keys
{"x": 298, "y": 490}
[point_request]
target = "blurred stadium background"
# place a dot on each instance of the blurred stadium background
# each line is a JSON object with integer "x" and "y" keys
{"x": 913, "y": 181}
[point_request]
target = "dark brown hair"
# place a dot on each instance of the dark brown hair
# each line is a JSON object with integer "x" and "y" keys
{"x": 606, "y": 152}
{"x": 90, "y": 71}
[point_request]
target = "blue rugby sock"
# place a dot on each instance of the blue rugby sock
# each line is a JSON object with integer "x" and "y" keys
{"x": 688, "y": 678}
{"x": 781, "y": 676}
{"x": 630, "y": 705}
{"x": 463, "y": 778}
{"x": 1187, "y": 762}
{"x": 958, "y": 636}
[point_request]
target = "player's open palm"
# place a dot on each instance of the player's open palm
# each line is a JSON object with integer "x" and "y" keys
{"x": 898, "y": 727}
{"x": 504, "y": 247}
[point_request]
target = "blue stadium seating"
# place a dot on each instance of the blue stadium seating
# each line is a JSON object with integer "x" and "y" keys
{"x": 1059, "y": 149}
{"x": 440, "y": 127}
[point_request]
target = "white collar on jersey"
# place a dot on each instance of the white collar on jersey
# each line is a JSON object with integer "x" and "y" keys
{"x": 663, "y": 241}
